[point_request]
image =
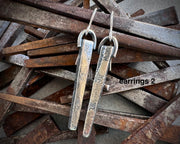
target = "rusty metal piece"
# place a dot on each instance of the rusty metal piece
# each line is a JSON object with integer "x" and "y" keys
{"x": 34, "y": 32}
{"x": 102, "y": 118}
{"x": 177, "y": 27}
{"x": 15, "y": 88}
{"x": 162, "y": 17}
{"x": 54, "y": 41}
{"x": 128, "y": 25}
{"x": 172, "y": 134}
{"x": 17, "y": 59}
{"x": 17, "y": 120}
{"x": 138, "y": 13}
{"x": 10, "y": 35}
{"x": 154, "y": 128}
{"x": 160, "y": 76}
{"x": 72, "y": 47}
{"x": 74, "y": 26}
{"x": 3, "y": 27}
{"x": 123, "y": 56}
{"x": 41, "y": 133}
{"x": 86, "y": 4}
{"x": 35, "y": 84}
{"x": 107, "y": 6}
{"x": 8, "y": 75}
{"x": 82, "y": 139}
{"x": 63, "y": 135}
{"x": 164, "y": 90}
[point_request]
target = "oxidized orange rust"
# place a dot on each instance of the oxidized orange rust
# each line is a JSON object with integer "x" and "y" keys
{"x": 82, "y": 139}
{"x": 39, "y": 44}
{"x": 154, "y": 128}
{"x": 123, "y": 56}
{"x": 41, "y": 133}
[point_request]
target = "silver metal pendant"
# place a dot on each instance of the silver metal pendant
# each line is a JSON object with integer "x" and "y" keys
{"x": 104, "y": 63}
{"x": 83, "y": 63}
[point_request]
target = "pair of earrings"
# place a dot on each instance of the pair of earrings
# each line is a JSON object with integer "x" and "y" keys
{"x": 83, "y": 63}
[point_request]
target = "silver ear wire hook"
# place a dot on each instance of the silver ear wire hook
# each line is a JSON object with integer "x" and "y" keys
{"x": 86, "y": 31}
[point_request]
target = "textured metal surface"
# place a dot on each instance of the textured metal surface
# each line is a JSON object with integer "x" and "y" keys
{"x": 123, "y": 56}
{"x": 3, "y": 27}
{"x": 49, "y": 42}
{"x": 82, "y": 69}
{"x": 164, "y": 90}
{"x": 35, "y": 84}
{"x": 149, "y": 31}
{"x": 84, "y": 140}
{"x": 10, "y": 35}
{"x": 138, "y": 13}
{"x": 15, "y": 88}
{"x": 162, "y": 17}
{"x": 18, "y": 12}
{"x": 17, "y": 59}
{"x": 102, "y": 118}
{"x": 108, "y": 5}
{"x": 154, "y": 128}
{"x": 8, "y": 75}
{"x": 41, "y": 133}
{"x": 164, "y": 75}
{"x": 54, "y": 50}
{"x": 34, "y": 32}
{"x": 99, "y": 79}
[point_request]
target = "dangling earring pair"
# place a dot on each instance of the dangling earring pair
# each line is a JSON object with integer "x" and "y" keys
{"x": 83, "y": 62}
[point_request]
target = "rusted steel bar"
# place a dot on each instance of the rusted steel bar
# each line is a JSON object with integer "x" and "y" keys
{"x": 49, "y": 42}
{"x": 64, "y": 135}
{"x": 86, "y": 4}
{"x": 148, "y": 101}
{"x": 138, "y": 13}
{"x": 160, "y": 76}
{"x": 123, "y": 56}
{"x": 8, "y": 75}
{"x": 35, "y": 84}
{"x": 162, "y": 17}
{"x": 83, "y": 140}
{"x": 154, "y": 128}
{"x": 164, "y": 90}
{"x": 17, "y": 59}
{"x": 17, "y": 120}
{"x": 112, "y": 116}
{"x": 54, "y": 50}
{"x": 172, "y": 135}
{"x": 74, "y": 26}
{"x": 34, "y": 32}
{"x": 10, "y": 35}
{"x": 177, "y": 27}
{"x": 128, "y": 25}
{"x": 108, "y": 5}
{"x": 41, "y": 133}
{"x": 3, "y": 27}
{"x": 102, "y": 118}
{"x": 15, "y": 88}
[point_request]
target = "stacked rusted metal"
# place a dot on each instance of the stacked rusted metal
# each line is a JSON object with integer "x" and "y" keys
{"x": 50, "y": 50}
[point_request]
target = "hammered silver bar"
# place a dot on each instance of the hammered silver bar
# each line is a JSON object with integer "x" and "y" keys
{"x": 98, "y": 84}
{"x": 83, "y": 63}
